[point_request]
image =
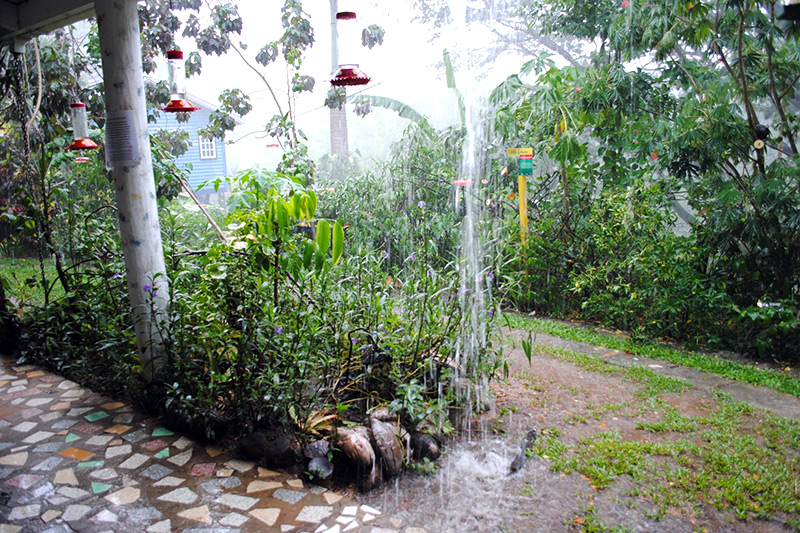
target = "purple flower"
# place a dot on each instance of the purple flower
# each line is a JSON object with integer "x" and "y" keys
{"x": 491, "y": 314}
{"x": 386, "y": 254}
{"x": 354, "y": 341}
{"x": 421, "y": 204}
{"x": 147, "y": 288}
{"x": 278, "y": 330}
{"x": 490, "y": 276}
{"x": 155, "y": 293}
{"x": 117, "y": 276}
{"x": 412, "y": 256}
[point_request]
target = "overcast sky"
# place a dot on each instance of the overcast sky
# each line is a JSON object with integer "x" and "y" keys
{"x": 407, "y": 67}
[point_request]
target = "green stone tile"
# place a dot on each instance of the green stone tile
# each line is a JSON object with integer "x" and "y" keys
{"x": 91, "y": 464}
{"x": 96, "y": 416}
{"x": 71, "y": 437}
{"x": 99, "y": 487}
{"x": 162, "y": 432}
{"x": 163, "y": 454}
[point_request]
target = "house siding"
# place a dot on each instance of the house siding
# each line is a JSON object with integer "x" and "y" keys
{"x": 202, "y": 170}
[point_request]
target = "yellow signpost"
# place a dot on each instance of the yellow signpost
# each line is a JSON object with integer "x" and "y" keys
{"x": 525, "y": 169}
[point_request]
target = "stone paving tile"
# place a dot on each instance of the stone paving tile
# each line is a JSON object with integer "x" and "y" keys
{"x": 181, "y": 495}
{"x": 134, "y": 461}
{"x": 236, "y": 501}
{"x": 84, "y": 462}
{"x": 289, "y": 496}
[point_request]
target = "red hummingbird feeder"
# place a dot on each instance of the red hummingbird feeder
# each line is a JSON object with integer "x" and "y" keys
{"x": 80, "y": 128}
{"x": 349, "y": 74}
{"x": 177, "y": 84}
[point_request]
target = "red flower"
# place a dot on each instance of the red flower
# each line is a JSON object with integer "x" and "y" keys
{"x": 625, "y": 3}
{"x": 654, "y": 155}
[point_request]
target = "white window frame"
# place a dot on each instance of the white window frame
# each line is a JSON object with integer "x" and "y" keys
{"x": 208, "y": 148}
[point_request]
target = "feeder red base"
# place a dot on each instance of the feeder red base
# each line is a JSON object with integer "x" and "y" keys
{"x": 350, "y": 75}
{"x": 83, "y": 144}
{"x": 180, "y": 106}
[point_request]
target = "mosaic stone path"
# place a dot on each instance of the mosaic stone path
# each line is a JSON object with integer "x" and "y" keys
{"x": 72, "y": 460}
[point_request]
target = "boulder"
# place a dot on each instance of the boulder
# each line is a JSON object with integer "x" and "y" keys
{"x": 522, "y": 455}
{"x": 252, "y": 446}
{"x": 318, "y": 448}
{"x": 355, "y": 444}
{"x": 388, "y": 446}
{"x": 384, "y": 415}
{"x": 425, "y": 446}
{"x": 282, "y": 451}
{"x": 320, "y": 467}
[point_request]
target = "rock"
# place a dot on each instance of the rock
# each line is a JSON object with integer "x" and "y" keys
{"x": 252, "y": 446}
{"x": 281, "y": 451}
{"x": 522, "y": 455}
{"x": 318, "y": 448}
{"x": 384, "y": 415}
{"x": 388, "y": 446}
{"x": 356, "y": 446}
{"x": 425, "y": 446}
{"x": 320, "y": 467}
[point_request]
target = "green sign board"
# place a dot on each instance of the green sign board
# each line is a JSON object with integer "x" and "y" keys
{"x": 526, "y": 165}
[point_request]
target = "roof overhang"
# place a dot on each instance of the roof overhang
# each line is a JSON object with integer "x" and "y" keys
{"x": 23, "y": 19}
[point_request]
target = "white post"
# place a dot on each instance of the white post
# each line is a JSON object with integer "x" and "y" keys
{"x": 128, "y": 155}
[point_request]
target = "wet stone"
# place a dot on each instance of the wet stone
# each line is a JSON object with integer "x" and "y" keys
{"x": 72, "y": 493}
{"x": 144, "y": 514}
{"x": 49, "y": 417}
{"x": 15, "y": 459}
{"x": 268, "y": 516}
{"x": 125, "y": 418}
{"x": 203, "y": 469}
{"x": 49, "y": 447}
{"x": 36, "y": 495}
{"x": 181, "y": 495}
{"x": 165, "y": 526}
{"x": 116, "y": 451}
{"x": 134, "y": 461}
{"x": 24, "y": 427}
{"x": 156, "y": 472}
{"x": 30, "y": 413}
{"x": 38, "y": 437}
{"x": 24, "y": 481}
{"x": 289, "y": 496}
{"x": 169, "y": 481}
{"x": 135, "y": 436}
{"x": 104, "y": 474}
{"x": 88, "y": 428}
{"x": 234, "y": 520}
{"x": 105, "y": 516}
{"x": 65, "y": 477}
{"x": 314, "y": 513}
{"x": 75, "y": 512}
{"x": 99, "y": 440}
{"x": 181, "y": 459}
{"x": 236, "y": 501}
{"x": 199, "y": 514}
{"x": 182, "y": 443}
{"x": 64, "y": 424}
{"x": 124, "y": 496}
{"x": 154, "y": 445}
{"x": 24, "y": 511}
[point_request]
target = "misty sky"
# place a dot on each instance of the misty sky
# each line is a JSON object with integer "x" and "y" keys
{"x": 407, "y": 67}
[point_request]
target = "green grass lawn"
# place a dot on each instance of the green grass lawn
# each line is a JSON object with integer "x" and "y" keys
{"x": 23, "y": 279}
{"x": 745, "y": 373}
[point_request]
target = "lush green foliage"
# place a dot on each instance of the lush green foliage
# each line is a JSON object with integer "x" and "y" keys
{"x": 662, "y": 120}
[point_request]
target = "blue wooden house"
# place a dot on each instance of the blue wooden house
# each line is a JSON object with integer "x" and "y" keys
{"x": 206, "y": 156}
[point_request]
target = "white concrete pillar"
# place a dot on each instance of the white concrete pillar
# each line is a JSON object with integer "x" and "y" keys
{"x": 128, "y": 155}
